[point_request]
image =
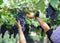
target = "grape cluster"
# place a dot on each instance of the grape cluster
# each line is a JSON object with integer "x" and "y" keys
{"x": 26, "y": 29}
{"x": 37, "y": 14}
{"x": 52, "y": 13}
{"x": 21, "y": 18}
{"x": 11, "y": 31}
{"x": 3, "y": 30}
{"x": 49, "y": 11}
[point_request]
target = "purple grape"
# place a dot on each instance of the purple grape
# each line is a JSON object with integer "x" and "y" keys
{"x": 49, "y": 11}
{"x": 52, "y": 13}
{"x": 21, "y": 18}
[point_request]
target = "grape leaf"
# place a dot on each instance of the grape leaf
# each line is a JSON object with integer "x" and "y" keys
{"x": 54, "y": 3}
{"x": 1, "y": 1}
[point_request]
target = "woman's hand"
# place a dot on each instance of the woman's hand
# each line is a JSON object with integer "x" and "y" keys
{"x": 30, "y": 14}
{"x": 18, "y": 24}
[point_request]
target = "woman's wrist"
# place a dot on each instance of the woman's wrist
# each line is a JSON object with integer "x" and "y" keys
{"x": 37, "y": 17}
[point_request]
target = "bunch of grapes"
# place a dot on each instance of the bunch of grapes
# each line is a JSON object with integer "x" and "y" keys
{"x": 21, "y": 18}
{"x": 3, "y": 30}
{"x": 13, "y": 30}
{"x": 52, "y": 13}
{"x": 49, "y": 11}
{"x": 37, "y": 14}
{"x": 10, "y": 32}
{"x": 26, "y": 29}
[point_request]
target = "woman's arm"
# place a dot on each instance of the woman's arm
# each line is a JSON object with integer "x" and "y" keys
{"x": 43, "y": 24}
{"x": 21, "y": 35}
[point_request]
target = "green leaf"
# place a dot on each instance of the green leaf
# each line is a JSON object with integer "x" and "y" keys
{"x": 54, "y": 3}
{"x": 40, "y": 5}
{"x": 1, "y": 1}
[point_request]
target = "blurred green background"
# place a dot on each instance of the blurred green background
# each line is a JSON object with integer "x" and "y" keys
{"x": 8, "y": 14}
